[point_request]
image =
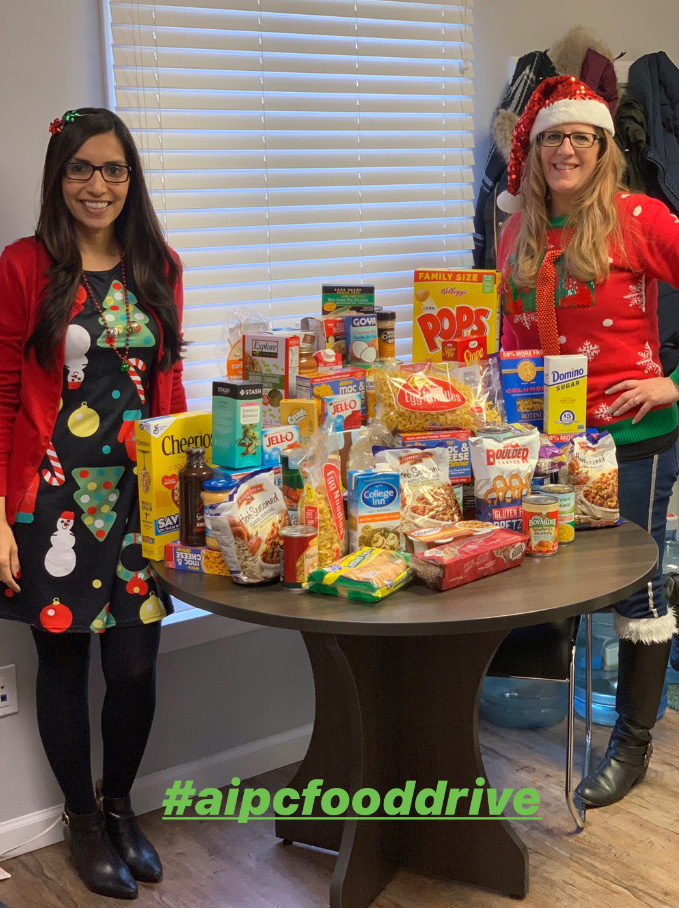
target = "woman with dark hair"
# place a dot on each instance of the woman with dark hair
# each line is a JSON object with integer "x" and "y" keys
{"x": 90, "y": 314}
{"x": 581, "y": 260}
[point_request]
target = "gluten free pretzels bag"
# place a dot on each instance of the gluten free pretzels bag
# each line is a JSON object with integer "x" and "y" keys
{"x": 503, "y": 470}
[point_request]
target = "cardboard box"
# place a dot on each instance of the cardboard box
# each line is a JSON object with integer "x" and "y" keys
{"x": 276, "y": 439}
{"x": 457, "y": 442}
{"x": 343, "y": 409}
{"x": 197, "y": 558}
{"x": 452, "y": 305}
{"x": 523, "y": 384}
{"x": 324, "y": 384}
{"x": 237, "y": 424}
{"x": 328, "y": 331}
{"x": 273, "y": 360}
{"x": 565, "y": 398}
{"x": 338, "y": 299}
{"x": 303, "y": 413}
{"x": 374, "y": 509}
{"x": 161, "y": 453}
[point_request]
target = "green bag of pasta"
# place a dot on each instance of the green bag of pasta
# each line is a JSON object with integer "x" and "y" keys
{"x": 367, "y": 575}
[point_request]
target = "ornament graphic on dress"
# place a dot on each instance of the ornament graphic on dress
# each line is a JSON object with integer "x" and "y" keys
{"x": 84, "y": 421}
{"x": 136, "y": 581}
{"x": 60, "y": 557}
{"x": 103, "y": 621}
{"x": 152, "y": 609}
{"x": 77, "y": 344}
{"x": 57, "y": 617}
{"x": 97, "y": 496}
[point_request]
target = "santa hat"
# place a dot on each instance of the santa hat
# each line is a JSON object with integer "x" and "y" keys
{"x": 556, "y": 100}
{"x": 67, "y": 515}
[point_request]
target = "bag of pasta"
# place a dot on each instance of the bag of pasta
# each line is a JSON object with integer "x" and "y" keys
{"x": 592, "y": 469}
{"x": 321, "y": 504}
{"x": 367, "y": 575}
{"x": 247, "y": 528}
{"x": 427, "y": 497}
{"x": 417, "y": 396}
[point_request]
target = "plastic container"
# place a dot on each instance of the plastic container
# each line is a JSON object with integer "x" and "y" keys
{"x": 670, "y": 565}
{"x": 523, "y": 703}
{"x": 191, "y": 515}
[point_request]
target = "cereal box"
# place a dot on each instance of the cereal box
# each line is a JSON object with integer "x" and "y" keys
{"x": 374, "y": 509}
{"x": 237, "y": 424}
{"x": 523, "y": 384}
{"x": 303, "y": 413}
{"x": 343, "y": 409}
{"x": 161, "y": 453}
{"x": 198, "y": 558}
{"x": 565, "y": 397}
{"x": 328, "y": 331}
{"x": 323, "y": 384}
{"x": 276, "y": 439}
{"x": 338, "y": 299}
{"x": 273, "y": 360}
{"x": 451, "y": 305}
{"x": 457, "y": 442}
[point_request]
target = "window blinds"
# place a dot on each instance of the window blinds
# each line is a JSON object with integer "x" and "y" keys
{"x": 291, "y": 143}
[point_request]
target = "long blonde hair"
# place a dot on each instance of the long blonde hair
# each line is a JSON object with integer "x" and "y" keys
{"x": 594, "y": 219}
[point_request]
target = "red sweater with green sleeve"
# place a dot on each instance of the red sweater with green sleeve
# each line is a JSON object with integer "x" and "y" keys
{"x": 613, "y": 323}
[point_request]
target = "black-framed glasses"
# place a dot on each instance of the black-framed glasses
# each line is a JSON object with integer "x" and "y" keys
{"x": 577, "y": 139}
{"x": 81, "y": 172}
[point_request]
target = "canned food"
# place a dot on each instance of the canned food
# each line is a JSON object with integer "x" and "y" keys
{"x": 299, "y": 555}
{"x": 541, "y": 524}
{"x": 565, "y": 495}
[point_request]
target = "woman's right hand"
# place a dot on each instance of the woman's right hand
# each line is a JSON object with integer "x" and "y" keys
{"x": 9, "y": 557}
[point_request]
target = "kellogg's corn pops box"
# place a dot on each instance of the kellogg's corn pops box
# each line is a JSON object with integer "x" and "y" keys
{"x": 161, "y": 453}
{"x": 450, "y": 306}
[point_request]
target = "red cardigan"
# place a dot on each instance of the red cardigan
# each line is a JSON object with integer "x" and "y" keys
{"x": 30, "y": 395}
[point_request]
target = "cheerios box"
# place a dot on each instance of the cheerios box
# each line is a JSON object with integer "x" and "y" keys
{"x": 197, "y": 558}
{"x": 452, "y": 305}
{"x": 273, "y": 361}
{"x": 161, "y": 453}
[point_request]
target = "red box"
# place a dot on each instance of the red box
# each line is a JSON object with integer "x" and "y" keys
{"x": 464, "y": 560}
{"x": 464, "y": 350}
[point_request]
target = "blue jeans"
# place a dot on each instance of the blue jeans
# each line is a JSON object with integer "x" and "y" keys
{"x": 645, "y": 489}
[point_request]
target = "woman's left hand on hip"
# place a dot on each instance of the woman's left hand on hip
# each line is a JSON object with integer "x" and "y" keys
{"x": 645, "y": 394}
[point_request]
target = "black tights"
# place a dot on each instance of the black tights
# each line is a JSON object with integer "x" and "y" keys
{"x": 128, "y": 659}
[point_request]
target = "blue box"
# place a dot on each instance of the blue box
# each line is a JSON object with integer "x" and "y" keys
{"x": 523, "y": 383}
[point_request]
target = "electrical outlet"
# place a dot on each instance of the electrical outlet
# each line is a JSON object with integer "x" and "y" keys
{"x": 8, "y": 690}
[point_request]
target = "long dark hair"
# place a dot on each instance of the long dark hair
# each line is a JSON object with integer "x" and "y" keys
{"x": 137, "y": 230}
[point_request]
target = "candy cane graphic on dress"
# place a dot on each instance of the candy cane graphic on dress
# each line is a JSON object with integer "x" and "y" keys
{"x": 136, "y": 377}
{"x": 56, "y": 477}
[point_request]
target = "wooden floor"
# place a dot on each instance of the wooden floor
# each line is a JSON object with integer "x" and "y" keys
{"x": 627, "y": 856}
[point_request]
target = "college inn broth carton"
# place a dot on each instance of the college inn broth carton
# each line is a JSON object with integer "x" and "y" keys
{"x": 161, "y": 453}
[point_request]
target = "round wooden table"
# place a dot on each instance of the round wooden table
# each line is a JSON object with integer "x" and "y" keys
{"x": 397, "y": 688}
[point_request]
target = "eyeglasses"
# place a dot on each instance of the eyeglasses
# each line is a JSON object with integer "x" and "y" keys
{"x": 81, "y": 172}
{"x": 577, "y": 139}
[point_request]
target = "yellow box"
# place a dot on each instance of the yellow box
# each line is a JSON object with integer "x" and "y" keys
{"x": 565, "y": 409}
{"x": 450, "y": 305}
{"x": 161, "y": 453}
{"x": 303, "y": 413}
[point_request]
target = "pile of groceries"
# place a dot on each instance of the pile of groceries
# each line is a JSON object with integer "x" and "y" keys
{"x": 331, "y": 466}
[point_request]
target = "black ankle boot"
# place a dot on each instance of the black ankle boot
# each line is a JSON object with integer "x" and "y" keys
{"x": 128, "y": 839}
{"x": 98, "y": 864}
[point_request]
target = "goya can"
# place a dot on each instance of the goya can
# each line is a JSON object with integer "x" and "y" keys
{"x": 541, "y": 524}
{"x": 299, "y": 555}
{"x": 565, "y": 495}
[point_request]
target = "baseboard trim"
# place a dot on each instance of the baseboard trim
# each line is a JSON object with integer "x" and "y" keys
{"x": 215, "y": 771}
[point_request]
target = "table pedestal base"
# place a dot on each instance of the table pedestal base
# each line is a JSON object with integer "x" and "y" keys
{"x": 389, "y": 710}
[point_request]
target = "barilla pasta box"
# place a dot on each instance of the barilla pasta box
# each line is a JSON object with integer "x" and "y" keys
{"x": 304, "y": 414}
{"x": 326, "y": 384}
{"x": 276, "y": 439}
{"x": 523, "y": 384}
{"x": 343, "y": 409}
{"x": 273, "y": 360}
{"x": 197, "y": 558}
{"x": 374, "y": 509}
{"x": 451, "y": 306}
{"x": 565, "y": 397}
{"x": 161, "y": 453}
{"x": 237, "y": 424}
{"x": 457, "y": 442}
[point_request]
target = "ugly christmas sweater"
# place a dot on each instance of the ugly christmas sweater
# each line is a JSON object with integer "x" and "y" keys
{"x": 613, "y": 323}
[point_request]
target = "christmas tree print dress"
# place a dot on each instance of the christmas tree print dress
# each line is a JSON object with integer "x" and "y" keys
{"x": 78, "y": 529}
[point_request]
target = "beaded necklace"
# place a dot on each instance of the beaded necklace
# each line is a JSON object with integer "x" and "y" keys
{"x": 111, "y": 331}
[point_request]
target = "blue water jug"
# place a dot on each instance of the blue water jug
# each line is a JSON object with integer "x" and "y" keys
{"x": 670, "y": 565}
{"x": 523, "y": 702}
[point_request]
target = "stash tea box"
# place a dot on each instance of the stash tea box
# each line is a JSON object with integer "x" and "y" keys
{"x": 237, "y": 424}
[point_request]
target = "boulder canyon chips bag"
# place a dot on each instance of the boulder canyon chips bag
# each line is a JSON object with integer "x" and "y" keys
{"x": 503, "y": 469}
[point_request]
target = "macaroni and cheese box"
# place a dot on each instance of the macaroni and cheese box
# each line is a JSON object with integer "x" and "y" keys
{"x": 276, "y": 439}
{"x": 303, "y": 413}
{"x": 161, "y": 453}
{"x": 565, "y": 408}
{"x": 374, "y": 509}
{"x": 457, "y": 442}
{"x": 198, "y": 558}
{"x": 237, "y": 424}
{"x": 452, "y": 305}
{"x": 523, "y": 384}
{"x": 273, "y": 360}
{"x": 325, "y": 384}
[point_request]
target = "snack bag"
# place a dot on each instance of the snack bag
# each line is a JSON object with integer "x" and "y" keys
{"x": 503, "y": 469}
{"x": 321, "y": 503}
{"x": 427, "y": 497}
{"x": 417, "y": 396}
{"x": 592, "y": 468}
{"x": 247, "y": 529}
{"x": 367, "y": 575}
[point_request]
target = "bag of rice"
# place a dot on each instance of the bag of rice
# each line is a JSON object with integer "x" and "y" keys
{"x": 503, "y": 469}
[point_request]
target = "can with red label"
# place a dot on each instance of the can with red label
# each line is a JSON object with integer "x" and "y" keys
{"x": 299, "y": 555}
{"x": 541, "y": 524}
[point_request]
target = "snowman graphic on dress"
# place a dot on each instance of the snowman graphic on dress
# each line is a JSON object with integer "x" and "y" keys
{"x": 60, "y": 558}
{"x": 77, "y": 344}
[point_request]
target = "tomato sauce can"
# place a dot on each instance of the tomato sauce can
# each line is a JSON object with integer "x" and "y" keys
{"x": 541, "y": 524}
{"x": 565, "y": 495}
{"x": 299, "y": 555}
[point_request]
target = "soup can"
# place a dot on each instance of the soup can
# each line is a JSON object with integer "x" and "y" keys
{"x": 299, "y": 555}
{"x": 565, "y": 495}
{"x": 541, "y": 524}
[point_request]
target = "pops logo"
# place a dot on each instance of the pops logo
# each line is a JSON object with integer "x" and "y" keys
{"x": 446, "y": 324}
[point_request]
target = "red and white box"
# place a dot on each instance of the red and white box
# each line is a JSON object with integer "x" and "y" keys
{"x": 464, "y": 560}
